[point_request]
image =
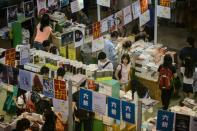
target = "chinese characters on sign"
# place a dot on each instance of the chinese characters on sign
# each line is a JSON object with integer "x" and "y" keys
{"x": 165, "y": 3}
{"x": 60, "y": 89}
{"x": 10, "y": 55}
{"x": 85, "y": 99}
{"x": 113, "y": 108}
{"x": 128, "y": 112}
{"x": 96, "y": 30}
{"x": 165, "y": 120}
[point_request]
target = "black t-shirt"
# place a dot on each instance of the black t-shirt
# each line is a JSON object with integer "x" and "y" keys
{"x": 188, "y": 52}
{"x": 80, "y": 113}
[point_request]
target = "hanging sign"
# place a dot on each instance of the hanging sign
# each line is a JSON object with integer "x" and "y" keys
{"x": 104, "y": 3}
{"x": 165, "y": 120}
{"x": 144, "y": 6}
{"x": 136, "y": 9}
{"x": 60, "y": 89}
{"x": 77, "y": 5}
{"x": 79, "y": 35}
{"x": 24, "y": 54}
{"x": 163, "y": 12}
{"x": 104, "y": 25}
{"x": 41, "y": 7}
{"x": 85, "y": 99}
{"x": 144, "y": 18}
{"x": 48, "y": 89}
{"x": 113, "y": 108}
{"x": 119, "y": 19}
{"x": 99, "y": 103}
{"x": 10, "y": 56}
{"x": 128, "y": 112}
{"x": 96, "y": 27}
{"x": 127, "y": 15}
{"x": 97, "y": 44}
{"x": 25, "y": 80}
{"x": 165, "y": 3}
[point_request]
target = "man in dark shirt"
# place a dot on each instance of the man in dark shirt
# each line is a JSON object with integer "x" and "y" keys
{"x": 189, "y": 51}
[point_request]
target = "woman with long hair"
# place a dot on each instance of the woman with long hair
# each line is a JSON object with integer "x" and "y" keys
{"x": 166, "y": 73}
{"x": 43, "y": 31}
{"x": 187, "y": 71}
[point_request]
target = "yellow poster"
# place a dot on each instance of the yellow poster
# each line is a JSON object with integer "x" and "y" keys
{"x": 72, "y": 52}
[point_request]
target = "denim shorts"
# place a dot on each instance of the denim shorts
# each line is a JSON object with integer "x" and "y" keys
{"x": 38, "y": 45}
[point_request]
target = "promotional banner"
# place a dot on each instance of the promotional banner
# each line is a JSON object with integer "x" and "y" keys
{"x": 25, "y": 80}
{"x": 24, "y": 54}
{"x": 128, "y": 112}
{"x": 163, "y": 12}
{"x": 85, "y": 99}
{"x": 77, "y": 5}
{"x": 97, "y": 44}
{"x": 10, "y": 56}
{"x": 164, "y": 3}
{"x": 99, "y": 103}
{"x": 113, "y": 108}
{"x": 104, "y": 25}
{"x": 144, "y": 6}
{"x": 37, "y": 82}
{"x": 127, "y": 15}
{"x": 48, "y": 89}
{"x": 165, "y": 120}
{"x": 60, "y": 89}
{"x": 136, "y": 9}
{"x": 79, "y": 35}
{"x": 96, "y": 27}
{"x": 144, "y": 18}
{"x": 104, "y": 2}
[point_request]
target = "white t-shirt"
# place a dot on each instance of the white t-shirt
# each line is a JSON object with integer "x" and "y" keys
{"x": 109, "y": 66}
{"x": 185, "y": 79}
{"x": 124, "y": 73}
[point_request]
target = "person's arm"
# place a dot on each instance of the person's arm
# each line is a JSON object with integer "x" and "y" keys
{"x": 117, "y": 72}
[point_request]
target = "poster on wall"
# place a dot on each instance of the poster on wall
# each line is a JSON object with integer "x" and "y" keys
{"x": 29, "y": 9}
{"x": 52, "y": 4}
{"x": 48, "y": 89}
{"x": 98, "y": 44}
{"x": 61, "y": 107}
{"x": 60, "y": 89}
{"x": 96, "y": 28}
{"x": 144, "y": 6}
{"x": 77, "y": 5}
{"x": 25, "y": 80}
{"x": 182, "y": 122}
{"x": 24, "y": 54}
{"x": 79, "y": 37}
{"x": 12, "y": 14}
{"x": 127, "y": 15}
{"x": 41, "y": 7}
{"x": 163, "y": 12}
{"x": 104, "y": 2}
{"x": 64, "y": 3}
{"x": 144, "y": 18}
{"x": 99, "y": 103}
{"x": 165, "y": 3}
{"x": 10, "y": 57}
{"x": 37, "y": 83}
{"x": 119, "y": 19}
{"x": 136, "y": 9}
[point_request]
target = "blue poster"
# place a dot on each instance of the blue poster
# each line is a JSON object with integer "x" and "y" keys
{"x": 85, "y": 99}
{"x": 165, "y": 120}
{"x": 128, "y": 112}
{"x": 113, "y": 108}
{"x": 48, "y": 89}
{"x": 25, "y": 80}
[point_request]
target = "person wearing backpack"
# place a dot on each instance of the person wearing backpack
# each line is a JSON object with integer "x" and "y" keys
{"x": 122, "y": 73}
{"x": 166, "y": 74}
{"x": 188, "y": 72}
{"x": 103, "y": 62}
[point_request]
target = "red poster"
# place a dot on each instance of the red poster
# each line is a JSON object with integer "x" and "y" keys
{"x": 143, "y": 5}
{"x": 96, "y": 30}
{"x": 60, "y": 89}
{"x": 10, "y": 56}
{"x": 165, "y": 3}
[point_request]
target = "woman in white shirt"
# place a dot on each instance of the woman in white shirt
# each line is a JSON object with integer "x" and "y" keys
{"x": 187, "y": 72}
{"x": 123, "y": 70}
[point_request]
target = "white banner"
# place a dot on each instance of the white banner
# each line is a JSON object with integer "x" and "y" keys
{"x": 127, "y": 15}
{"x": 163, "y": 12}
{"x": 136, "y": 9}
{"x": 97, "y": 44}
{"x": 144, "y": 18}
{"x": 77, "y": 6}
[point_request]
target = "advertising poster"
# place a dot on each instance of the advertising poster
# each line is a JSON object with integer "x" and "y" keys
{"x": 48, "y": 89}
{"x": 163, "y": 12}
{"x": 104, "y": 25}
{"x": 25, "y": 80}
{"x": 97, "y": 44}
{"x": 165, "y": 3}
{"x": 79, "y": 37}
{"x": 37, "y": 83}
{"x": 112, "y": 23}
{"x": 77, "y": 5}
{"x": 60, "y": 89}
{"x": 144, "y": 18}
{"x": 99, "y": 103}
{"x": 24, "y": 54}
{"x": 127, "y": 15}
{"x": 10, "y": 57}
{"x": 119, "y": 19}
{"x": 136, "y": 9}
{"x": 96, "y": 27}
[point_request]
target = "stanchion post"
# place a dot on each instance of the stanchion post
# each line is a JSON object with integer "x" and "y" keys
{"x": 155, "y": 23}
{"x": 70, "y": 113}
{"x": 139, "y": 115}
